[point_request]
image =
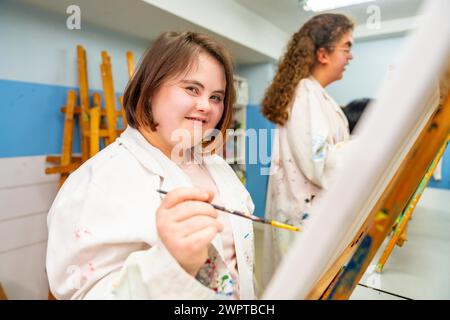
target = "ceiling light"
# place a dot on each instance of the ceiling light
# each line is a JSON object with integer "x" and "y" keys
{"x": 323, "y": 5}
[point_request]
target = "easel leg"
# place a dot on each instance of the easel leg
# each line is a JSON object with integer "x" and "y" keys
{"x": 399, "y": 236}
{"x": 66, "y": 154}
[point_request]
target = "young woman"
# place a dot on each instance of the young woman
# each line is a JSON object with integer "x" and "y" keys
{"x": 311, "y": 126}
{"x": 112, "y": 235}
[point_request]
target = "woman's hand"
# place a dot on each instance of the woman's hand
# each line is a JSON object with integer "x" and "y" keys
{"x": 187, "y": 224}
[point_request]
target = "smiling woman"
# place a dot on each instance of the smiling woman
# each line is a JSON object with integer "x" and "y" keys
{"x": 189, "y": 106}
{"x": 136, "y": 243}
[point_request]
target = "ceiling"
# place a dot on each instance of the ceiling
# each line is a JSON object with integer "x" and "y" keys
{"x": 288, "y": 15}
{"x": 137, "y": 19}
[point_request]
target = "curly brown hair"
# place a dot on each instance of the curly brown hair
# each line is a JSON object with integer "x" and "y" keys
{"x": 321, "y": 31}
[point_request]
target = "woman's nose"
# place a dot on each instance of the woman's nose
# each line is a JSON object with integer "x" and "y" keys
{"x": 203, "y": 104}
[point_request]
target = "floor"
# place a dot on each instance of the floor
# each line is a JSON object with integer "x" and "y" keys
{"x": 417, "y": 270}
{"x": 420, "y": 268}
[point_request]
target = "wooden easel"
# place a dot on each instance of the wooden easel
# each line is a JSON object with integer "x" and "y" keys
{"x": 398, "y": 236}
{"x": 95, "y": 123}
{"x": 84, "y": 111}
{"x": 130, "y": 64}
{"x": 66, "y": 162}
{"x": 384, "y": 214}
{"x": 110, "y": 100}
{"x": 104, "y": 121}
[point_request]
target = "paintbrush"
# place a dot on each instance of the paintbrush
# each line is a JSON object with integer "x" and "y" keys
{"x": 251, "y": 217}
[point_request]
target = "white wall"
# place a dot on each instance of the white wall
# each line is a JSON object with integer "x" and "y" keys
{"x": 369, "y": 67}
{"x": 26, "y": 194}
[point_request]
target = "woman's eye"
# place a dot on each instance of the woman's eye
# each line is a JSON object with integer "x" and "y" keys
{"x": 192, "y": 89}
{"x": 217, "y": 98}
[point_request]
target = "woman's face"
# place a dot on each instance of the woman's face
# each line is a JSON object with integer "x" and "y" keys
{"x": 186, "y": 107}
{"x": 340, "y": 56}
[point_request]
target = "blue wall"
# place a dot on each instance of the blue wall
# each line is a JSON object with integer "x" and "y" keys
{"x": 31, "y": 122}
{"x": 258, "y": 76}
{"x": 257, "y": 179}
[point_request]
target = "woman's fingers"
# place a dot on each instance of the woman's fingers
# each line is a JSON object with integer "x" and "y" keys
{"x": 197, "y": 223}
{"x": 202, "y": 238}
{"x": 190, "y": 209}
{"x": 187, "y": 224}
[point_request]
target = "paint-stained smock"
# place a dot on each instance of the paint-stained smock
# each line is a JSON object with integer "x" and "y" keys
{"x": 103, "y": 242}
{"x": 305, "y": 154}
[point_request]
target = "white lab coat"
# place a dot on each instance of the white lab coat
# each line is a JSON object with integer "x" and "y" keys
{"x": 103, "y": 242}
{"x": 305, "y": 154}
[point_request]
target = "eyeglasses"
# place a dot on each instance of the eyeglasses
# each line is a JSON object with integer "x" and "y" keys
{"x": 346, "y": 50}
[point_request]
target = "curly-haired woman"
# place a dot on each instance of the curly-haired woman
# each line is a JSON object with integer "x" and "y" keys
{"x": 311, "y": 126}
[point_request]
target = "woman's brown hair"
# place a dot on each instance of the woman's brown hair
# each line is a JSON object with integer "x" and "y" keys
{"x": 172, "y": 54}
{"x": 321, "y": 31}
